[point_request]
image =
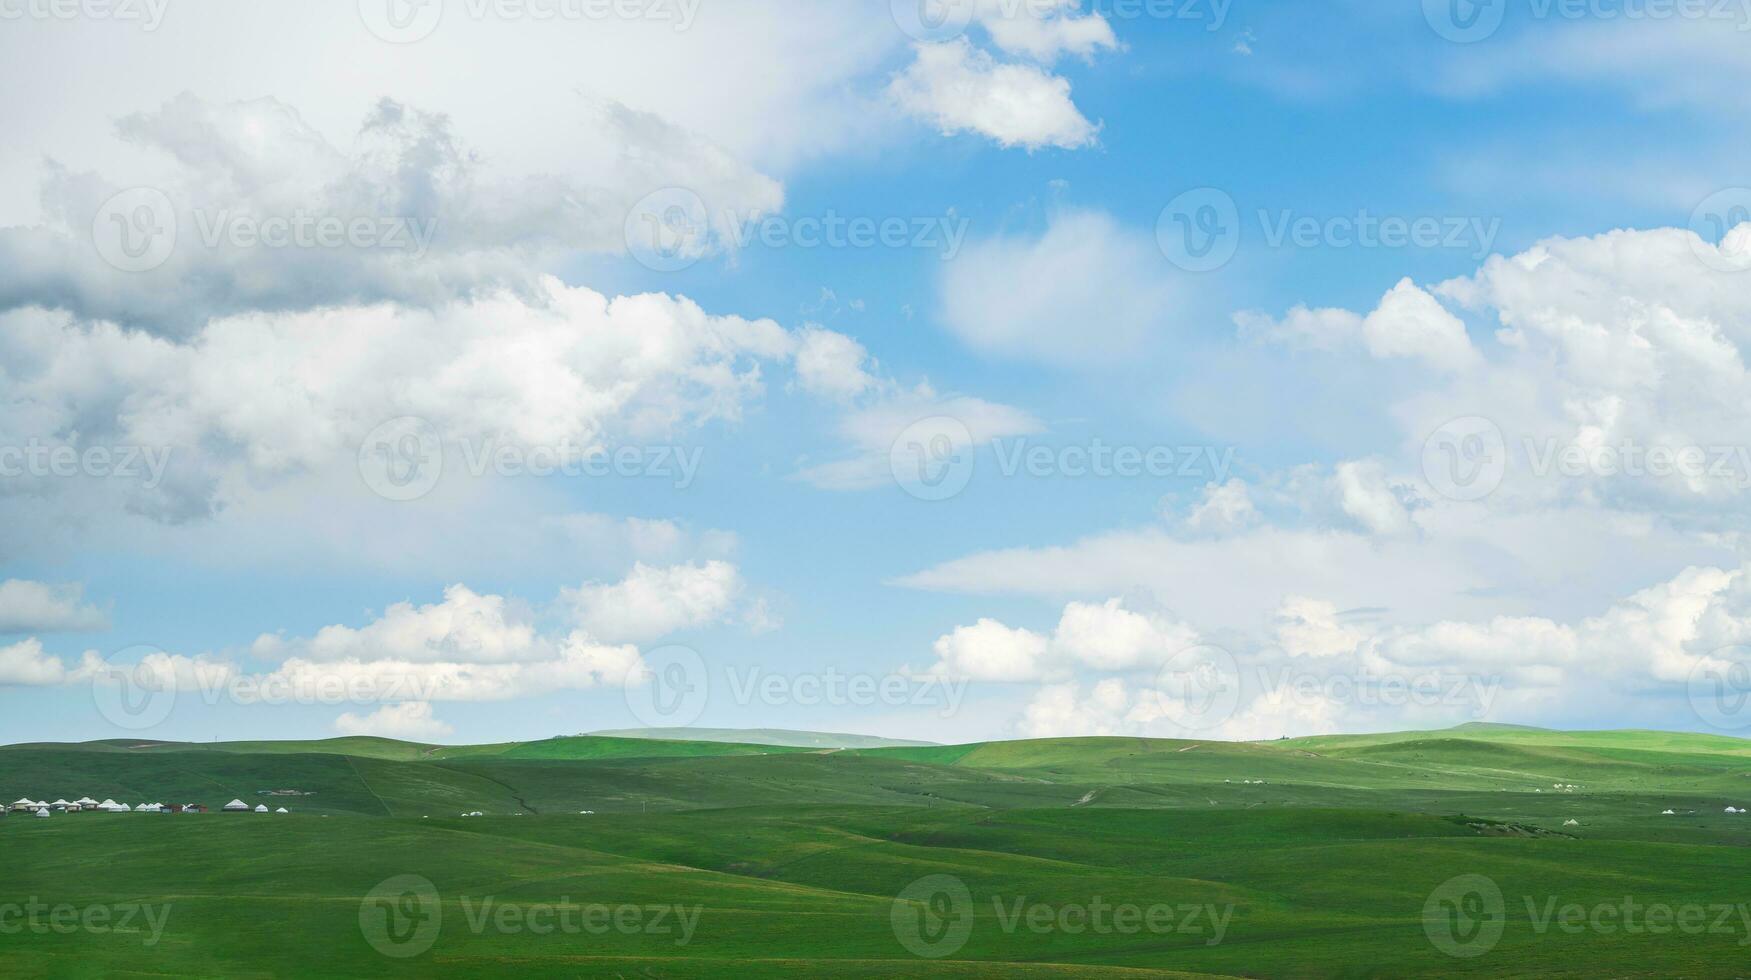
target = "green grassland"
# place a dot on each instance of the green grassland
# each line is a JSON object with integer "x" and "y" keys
{"x": 1295, "y": 858}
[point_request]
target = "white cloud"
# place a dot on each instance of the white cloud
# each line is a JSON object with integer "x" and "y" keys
{"x": 439, "y": 226}
{"x": 1084, "y": 291}
{"x": 621, "y": 541}
{"x": 1099, "y": 636}
{"x": 25, "y": 664}
{"x": 465, "y": 627}
{"x": 958, "y": 88}
{"x": 1113, "y": 707}
{"x": 35, "y": 607}
{"x": 776, "y": 84}
{"x": 1631, "y": 338}
{"x": 652, "y": 602}
{"x": 1312, "y": 628}
{"x": 1350, "y": 672}
{"x": 1060, "y": 711}
{"x": 1407, "y": 323}
{"x": 873, "y": 429}
{"x": 575, "y": 662}
{"x": 1224, "y": 507}
{"x": 989, "y": 650}
{"x": 411, "y": 720}
{"x": 1366, "y": 494}
{"x": 258, "y": 396}
{"x": 832, "y": 364}
{"x": 1108, "y": 636}
{"x": 1411, "y": 323}
{"x": 1044, "y": 29}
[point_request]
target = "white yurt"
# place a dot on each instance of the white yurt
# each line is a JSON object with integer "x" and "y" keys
{"x": 282, "y": 810}
{"x": 43, "y": 812}
{"x": 261, "y": 808}
{"x": 236, "y": 806}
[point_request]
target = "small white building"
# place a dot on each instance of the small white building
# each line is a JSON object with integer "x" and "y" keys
{"x": 261, "y": 808}
{"x": 282, "y": 810}
{"x": 236, "y": 806}
{"x": 43, "y": 812}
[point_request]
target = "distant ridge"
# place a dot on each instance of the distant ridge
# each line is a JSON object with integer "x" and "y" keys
{"x": 765, "y": 736}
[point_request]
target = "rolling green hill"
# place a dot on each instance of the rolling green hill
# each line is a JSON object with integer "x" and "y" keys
{"x": 765, "y": 736}
{"x": 1305, "y": 857}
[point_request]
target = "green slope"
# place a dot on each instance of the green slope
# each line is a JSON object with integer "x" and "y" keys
{"x": 765, "y": 736}
{"x": 1322, "y": 851}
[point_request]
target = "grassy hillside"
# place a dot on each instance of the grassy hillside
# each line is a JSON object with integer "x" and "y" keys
{"x": 1309, "y": 857}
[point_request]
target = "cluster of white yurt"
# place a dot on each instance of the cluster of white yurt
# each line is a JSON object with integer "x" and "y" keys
{"x": 87, "y": 804}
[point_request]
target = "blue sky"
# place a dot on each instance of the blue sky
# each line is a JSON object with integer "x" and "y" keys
{"x": 1497, "y": 471}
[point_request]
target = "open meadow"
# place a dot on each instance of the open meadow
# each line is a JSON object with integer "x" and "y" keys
{"x": 1463, "y": 852}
